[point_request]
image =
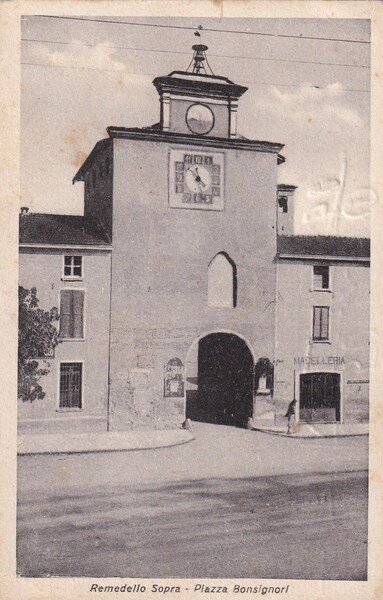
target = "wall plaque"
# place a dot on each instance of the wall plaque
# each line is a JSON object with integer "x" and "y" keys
{"x": 174, "y": 379}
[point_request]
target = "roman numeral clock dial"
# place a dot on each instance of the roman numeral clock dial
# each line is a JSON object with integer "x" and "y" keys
{"x": 196, "y": 180}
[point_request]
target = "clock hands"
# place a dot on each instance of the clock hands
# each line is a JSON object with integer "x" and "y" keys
{"x": 197, "y": 177}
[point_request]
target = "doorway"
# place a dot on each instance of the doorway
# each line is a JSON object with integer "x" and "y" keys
{"x": 224, "y": 393}
{"x": 319, "y": 399}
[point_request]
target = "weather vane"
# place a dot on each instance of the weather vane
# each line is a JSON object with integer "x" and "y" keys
{"x": 198, "y": 31}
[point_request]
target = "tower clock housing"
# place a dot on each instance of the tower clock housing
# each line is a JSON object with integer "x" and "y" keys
{"x": 198, "y": 103}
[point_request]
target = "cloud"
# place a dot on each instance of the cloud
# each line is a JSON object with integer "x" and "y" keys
{"x": 312, "y": 105}
{"x": 99, "y": 58}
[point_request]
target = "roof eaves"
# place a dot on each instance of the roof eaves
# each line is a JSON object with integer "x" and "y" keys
{"x": 317, "y": 257}
{"x": 184, "y": 138}
{"x": 285, "y": 187}
{"x": 101, "y": 145}
{"x": 52, "y": 246}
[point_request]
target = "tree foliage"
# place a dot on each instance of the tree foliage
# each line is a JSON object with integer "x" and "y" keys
{"x": 38, "y": 337}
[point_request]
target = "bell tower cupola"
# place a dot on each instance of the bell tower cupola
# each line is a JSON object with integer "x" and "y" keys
{"x": 197, "y": 102}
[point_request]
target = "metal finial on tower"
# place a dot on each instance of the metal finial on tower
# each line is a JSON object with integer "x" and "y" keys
{"x": 199, "y": 58}
{"x": 197, "y": 64}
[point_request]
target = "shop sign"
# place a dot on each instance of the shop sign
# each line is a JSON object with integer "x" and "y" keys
{"x": 316, "y": 361}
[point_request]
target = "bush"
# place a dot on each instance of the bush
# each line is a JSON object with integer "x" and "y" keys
{"x": 38, "y": 337}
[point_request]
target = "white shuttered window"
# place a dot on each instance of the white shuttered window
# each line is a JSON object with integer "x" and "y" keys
{"x": 321, "y": 323}
{"x": 72, "y": 314}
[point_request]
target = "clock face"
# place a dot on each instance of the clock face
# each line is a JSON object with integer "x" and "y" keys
{"x": 199, "y": 119}
{"x": 196, "y": 180}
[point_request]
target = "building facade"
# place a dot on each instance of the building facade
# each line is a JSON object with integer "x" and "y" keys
{"x": 183, "y": 292}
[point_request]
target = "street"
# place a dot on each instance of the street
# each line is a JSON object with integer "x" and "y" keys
{"x": 232, "y": 503}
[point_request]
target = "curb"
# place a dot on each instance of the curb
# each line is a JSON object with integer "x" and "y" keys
{"x": 309, "y": 437}
{"x": 106, "y": 449}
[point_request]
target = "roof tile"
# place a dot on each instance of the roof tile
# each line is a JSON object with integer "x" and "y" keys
{"x": 74, "y": 230}
{"x": 323, "y": 246}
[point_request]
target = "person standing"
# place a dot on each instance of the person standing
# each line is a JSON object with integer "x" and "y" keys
{"x": 291, "y": 416}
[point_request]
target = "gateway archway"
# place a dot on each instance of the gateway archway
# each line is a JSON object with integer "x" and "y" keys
{"x": 219, "y": 380}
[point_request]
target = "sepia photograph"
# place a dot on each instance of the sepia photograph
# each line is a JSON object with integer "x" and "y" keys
{"x": 194, "y": 301}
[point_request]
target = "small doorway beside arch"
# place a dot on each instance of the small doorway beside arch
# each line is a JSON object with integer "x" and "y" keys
{"x": 223, "y": 386}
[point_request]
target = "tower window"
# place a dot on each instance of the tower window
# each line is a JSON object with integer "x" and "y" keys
{"x": 222, "y": 282}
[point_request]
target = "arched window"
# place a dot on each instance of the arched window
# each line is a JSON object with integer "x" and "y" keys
{"x": 222, "y": 282}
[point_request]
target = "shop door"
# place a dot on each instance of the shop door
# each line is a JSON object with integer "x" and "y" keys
{"x": 319, "y": 399}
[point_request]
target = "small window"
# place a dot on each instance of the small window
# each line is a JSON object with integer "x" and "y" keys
{"x": 70, "y": 386}
{"x": 72, "y": 314}
{"x": 282, "y": 203}
{"x": 321, "y": 323}
{"x": 72, "y": 267}
{"x": 321, "y": 277}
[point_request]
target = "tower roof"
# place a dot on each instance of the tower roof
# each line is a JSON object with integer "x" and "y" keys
{"x": 197, "y": 80}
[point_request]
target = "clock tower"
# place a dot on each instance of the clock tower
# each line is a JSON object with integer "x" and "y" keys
{"x": 198, "y": 103}
{"x": 189, "y": 206}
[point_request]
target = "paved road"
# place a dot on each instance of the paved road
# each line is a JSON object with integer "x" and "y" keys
{"x": 220, "y": 506}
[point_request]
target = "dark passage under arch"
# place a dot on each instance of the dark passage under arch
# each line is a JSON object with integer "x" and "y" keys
{"x": 225, "y": 381}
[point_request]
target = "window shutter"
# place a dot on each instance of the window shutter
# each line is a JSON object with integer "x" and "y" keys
{"x": 72, "y": 314}
{"x": 325, "y": 280}
{"x": 78, "y": 312}
{"x": 325, "y": 319}
{"x": 316, "y": 323}
{"x": 321, "y": 323}
{"x": 65, "y": 313}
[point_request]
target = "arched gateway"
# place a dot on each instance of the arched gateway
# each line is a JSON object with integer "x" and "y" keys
{"x": 219, "y": 380}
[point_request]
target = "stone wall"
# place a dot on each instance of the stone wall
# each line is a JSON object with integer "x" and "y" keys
{"x": 159, "y": 274}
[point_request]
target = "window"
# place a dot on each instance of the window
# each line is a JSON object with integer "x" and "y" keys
{"x": 70, "y": 385}
{"x": 222, "y": 282}
{"x": 321, "y": 277}
{"x": 72, "y": 314}
{"x": 282, "y": 203}
{"x": 72, "y": 267}
{"x": 321, "y": 323}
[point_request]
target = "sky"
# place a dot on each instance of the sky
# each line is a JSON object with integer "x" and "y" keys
{"x": 81, "y": 76}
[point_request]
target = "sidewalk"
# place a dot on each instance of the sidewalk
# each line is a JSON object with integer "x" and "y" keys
{"x": 315, "y": 430}
{"x": 101, "y": 441}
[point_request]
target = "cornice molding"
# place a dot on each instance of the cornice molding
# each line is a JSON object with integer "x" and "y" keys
{"x": 192, "y": 140}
